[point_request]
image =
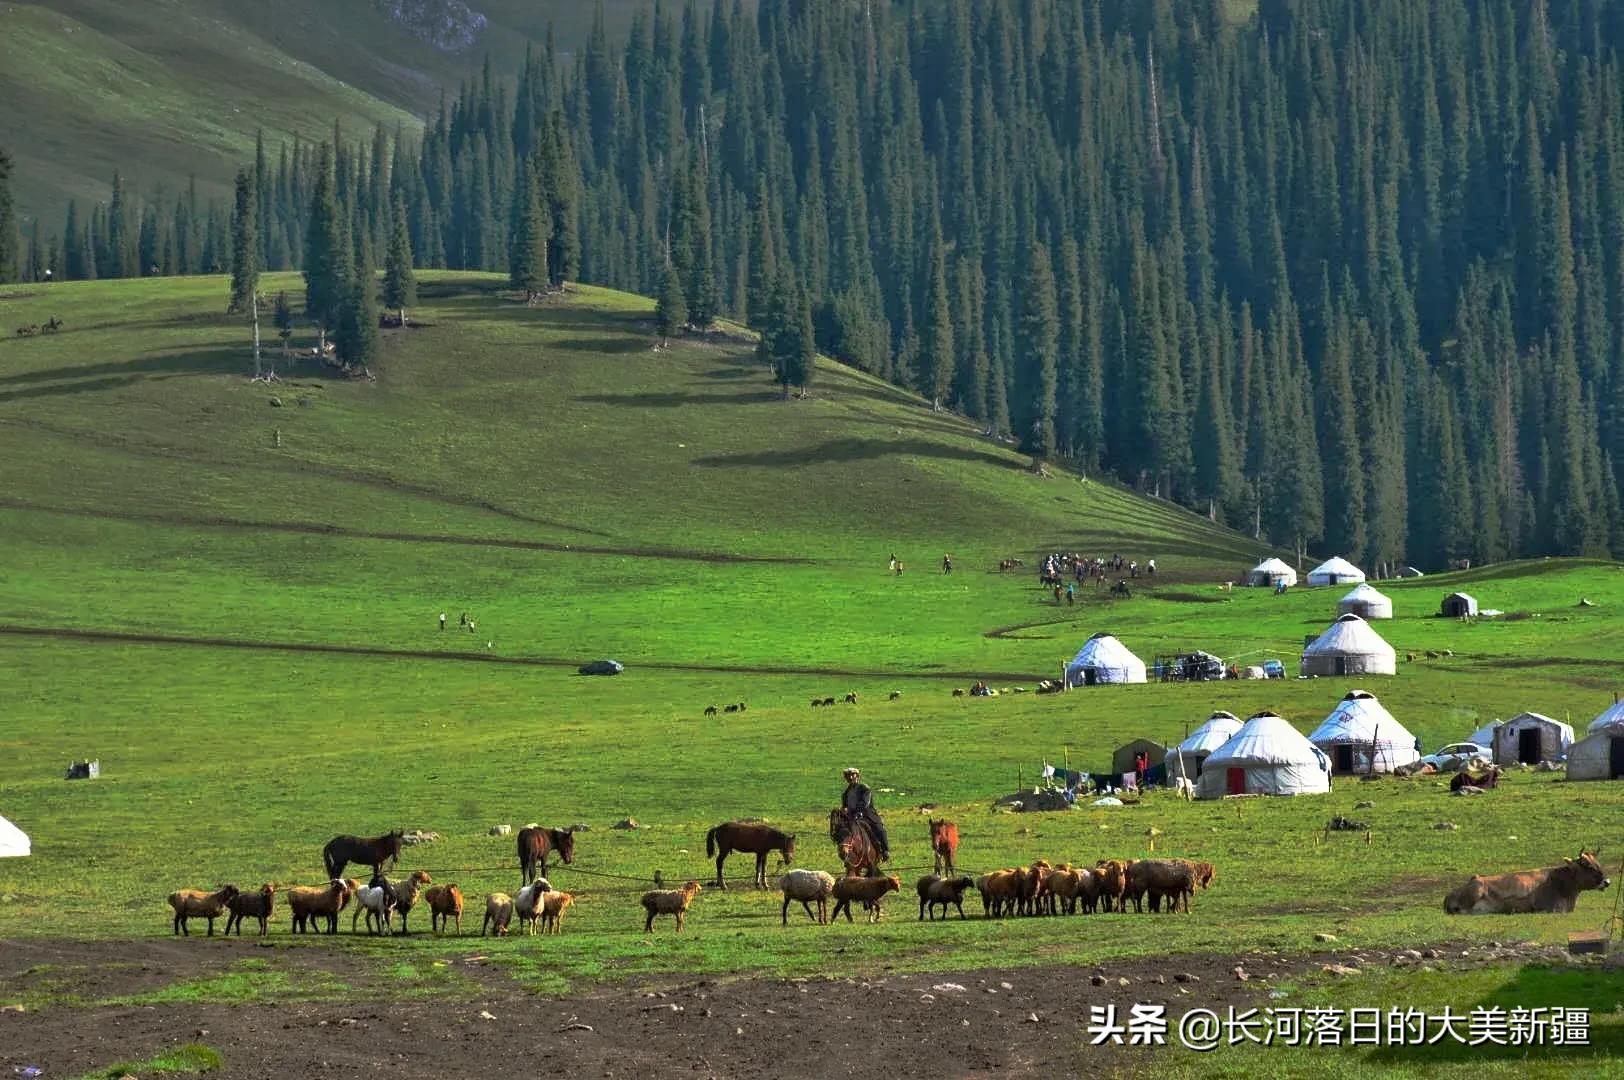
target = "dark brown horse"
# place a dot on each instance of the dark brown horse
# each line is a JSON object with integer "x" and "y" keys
{"x": 374, "y": 852}
{"x": 536, "y": 843}
{"x": 757, "y": 840}
{"x": 858, "y": 851}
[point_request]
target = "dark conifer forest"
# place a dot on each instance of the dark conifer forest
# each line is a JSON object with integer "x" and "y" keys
{"x": 1349, "y": 273}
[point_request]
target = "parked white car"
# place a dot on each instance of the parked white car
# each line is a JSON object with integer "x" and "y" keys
{"x": 1453, "y": 756}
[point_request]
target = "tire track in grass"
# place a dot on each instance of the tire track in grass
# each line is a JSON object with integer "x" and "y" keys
{"x": 132, "y": 638}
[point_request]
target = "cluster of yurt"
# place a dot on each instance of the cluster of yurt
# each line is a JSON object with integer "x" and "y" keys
{"x": 1271, "y": 573}
{"x": 1349, "y": 647}
{"x": 1600, "y": 754}
{"x": 1361, "y": 736}
{"x": 1189, "y": 757}
{"x": 1104, "y": 660}
{"x": 1267, "y": 756}
{"x": 1367, "y": 602}
{"x": 1530, "y": 738}
{"x": 1335, "y": 571}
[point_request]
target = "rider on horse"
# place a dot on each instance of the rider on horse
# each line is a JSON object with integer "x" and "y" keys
{"x": 858, "y": 801}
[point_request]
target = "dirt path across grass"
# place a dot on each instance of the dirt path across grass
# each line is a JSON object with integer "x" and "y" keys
{"x": 996, "y": 1022}
{"x": 75, "y": 634}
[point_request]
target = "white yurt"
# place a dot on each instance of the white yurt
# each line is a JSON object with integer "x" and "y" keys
{"x": 1267, "y": 756}
{"x": 13, "y": 841}
{"x": 1337, "y": 571}
{"x": 1531, "y": 738}
{"x": 1361, "y": 736}
{"x": 1613, "y": 714}
{"x": 1600, "y": 754}
{"x": 1271, "y": 572}
{"x": 1349, "y": 647}
{"x": 1189, "y": 757}
{"x": 1366, "y": 602}
{"x": 1104, "y": 659}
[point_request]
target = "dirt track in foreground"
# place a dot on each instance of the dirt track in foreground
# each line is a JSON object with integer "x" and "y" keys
{"x": 1000, "y": 1022}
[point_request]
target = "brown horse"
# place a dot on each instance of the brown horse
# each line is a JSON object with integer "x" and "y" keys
{"x": 757, "y": 840}
{"x": 944, "y": 843}
{"x": 343, "y": 850}
{"x": 858, "y": 851}
{"x": 534, "y": 845}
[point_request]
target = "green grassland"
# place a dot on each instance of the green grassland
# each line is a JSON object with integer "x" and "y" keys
{"x": 268, "y": 672}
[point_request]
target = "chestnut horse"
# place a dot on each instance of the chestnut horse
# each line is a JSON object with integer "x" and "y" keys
{"x": 343, "y": 850}
{"x": 944, "y": 843}
{"x": 858, "y": 851}
{"x": 757, "y": 840}
{"x": 534, "y": 845}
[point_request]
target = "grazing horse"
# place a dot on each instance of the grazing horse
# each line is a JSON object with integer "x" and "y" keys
{"x": 944, "y": 842}
{"x": 858, "y": 851}
{"x": 758, "y": 840}
{"x": 534, "y": 844}
{"x": 343, "y": 850}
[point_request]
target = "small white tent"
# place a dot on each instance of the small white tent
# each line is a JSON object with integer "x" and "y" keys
{"x": 1613, "y": 714}
{"x": 1360, "y": 736}
{"x": 1484, "y": 736}
{"x": 1531, "y": 738}
{"x": 1104, "y": 659}
{"x": 1271, "y": 572}
{"x": 1189, "y": 757}
{"x": 1337, "y": 571}
{"x": 13, "y": 841}
{"x": 1267, "y": 756}
{"x": 1366, "y": 602}
{"x": 1349, "y": 647}
{"x": 1600, "y": 754}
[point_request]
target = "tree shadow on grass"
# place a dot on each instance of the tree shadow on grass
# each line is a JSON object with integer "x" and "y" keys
{"x": 204, "y": 361}
{"x": 852, "y": 449}
{"x": 621, "y": 346}
{"x": 676, "y": 399}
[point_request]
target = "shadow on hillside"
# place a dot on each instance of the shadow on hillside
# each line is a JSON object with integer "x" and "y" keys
{"x": 741, "y": 371}
{"x": 191, "y": 362}
{"x": 858, "y": 450}
{"x": 675, "y": 400}
{"x": 622, "y": 346}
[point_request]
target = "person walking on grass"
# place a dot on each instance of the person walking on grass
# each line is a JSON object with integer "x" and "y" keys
{"x": 442, "y": 622}
{"x": 1071, "y": 595}
{"x": 947, "y": 564}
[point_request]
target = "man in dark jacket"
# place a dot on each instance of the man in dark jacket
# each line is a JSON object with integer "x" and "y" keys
{"x": 858, "y": 801}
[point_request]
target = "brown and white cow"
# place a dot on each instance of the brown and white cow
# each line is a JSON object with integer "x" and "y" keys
{"x": 1555, "y": 889}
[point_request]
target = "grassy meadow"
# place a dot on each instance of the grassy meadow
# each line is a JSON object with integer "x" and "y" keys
{"x": 245, "y": 635}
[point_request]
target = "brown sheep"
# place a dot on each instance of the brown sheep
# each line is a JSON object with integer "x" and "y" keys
{"x": 935, "y": 890}
{"x": 669, "y": 902}
{"x": 256, "y": 904}
{"x": 1173, "y": 879}
{"x": 869, "y": 890}
{"x": 553, "y": 906}
{"x": 1069, "y": 886}
{"x": 1113, "y": 878}
{"x": 197, "y": 904}
{"x": 445, "y": 904}
{"x": 1031, "y": 882}
{"x": 308, "y": 903}
{"x": 999, "y": 892}
{"x": 405, "y": 894}
{"x": 498, "y": 913}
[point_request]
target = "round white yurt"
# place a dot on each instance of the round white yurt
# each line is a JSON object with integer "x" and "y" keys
{"x": 13, "y": 841}
{"x": 1267, "y": 756}
{"x": 1361, "y": 736}
{"x": 1189, "y": 757}
{"x": 1104, "y": 659}
{"x": 1366, "y": 602}
{"x": 1271, "y": 572}
{"x": 1531, "y": 738}
{"x": 1613, "y": 714}
{"x": 1349, "y": 647}
{"x": 1600, "y": 754}
{"x": 1337, "y": 571}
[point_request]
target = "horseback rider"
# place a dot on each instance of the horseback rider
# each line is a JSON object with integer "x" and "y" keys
{"x": 858, "y": 802}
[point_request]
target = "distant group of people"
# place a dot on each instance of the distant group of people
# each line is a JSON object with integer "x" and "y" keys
{"x": 1055, "y": 567}
{"x": 464, "y": 622}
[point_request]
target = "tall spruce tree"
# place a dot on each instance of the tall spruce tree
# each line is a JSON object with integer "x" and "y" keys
{"x": 329, "y": 265}
{"x": 399, "y": 280}
{"x": 1038, "y": 348}
{"x": 356, "y": 339}
{"x": 671, "y": 308}
{"x": 244, "y": 245}
{"x": 8, "y": 222}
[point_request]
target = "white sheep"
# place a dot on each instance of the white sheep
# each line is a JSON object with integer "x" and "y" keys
{"x": 528, "y": 903}
{"x": 807, "y": 886}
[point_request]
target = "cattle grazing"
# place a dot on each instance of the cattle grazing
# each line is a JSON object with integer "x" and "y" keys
{"x": 1555, "y": 889}
{"x": 254, "y": 905}
{"x": 894, "y": 695}
{"x": 809, "y": 887}
{"x": 731, "y": 708}
{"x": 756, "y": 839}
{"x": 445, "y": 904}
{"x": 944, "y": 844}
{"x": 710, "y": 710}
{"x": 934, "y": 889}
{"x": 869, "y": 890}
{"x": 374, "y": 852}
{"x": 536, "y": 843}
{"x": 197, "y": 904}
{"x": 828, "y": 701}
{"x": 669, "y": 902}
{"x": 851, "y": 698}
{"x": 817, "y": 703}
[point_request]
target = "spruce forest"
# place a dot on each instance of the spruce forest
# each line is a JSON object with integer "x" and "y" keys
{"x": 1345, "y": 273}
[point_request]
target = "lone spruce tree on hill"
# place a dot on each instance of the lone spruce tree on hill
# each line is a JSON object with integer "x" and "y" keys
{"x": 399, "y": 283}
{"x": 329, "y": 262}
{"x": 245, "y": 256}
{"x": 671, "y": 309}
